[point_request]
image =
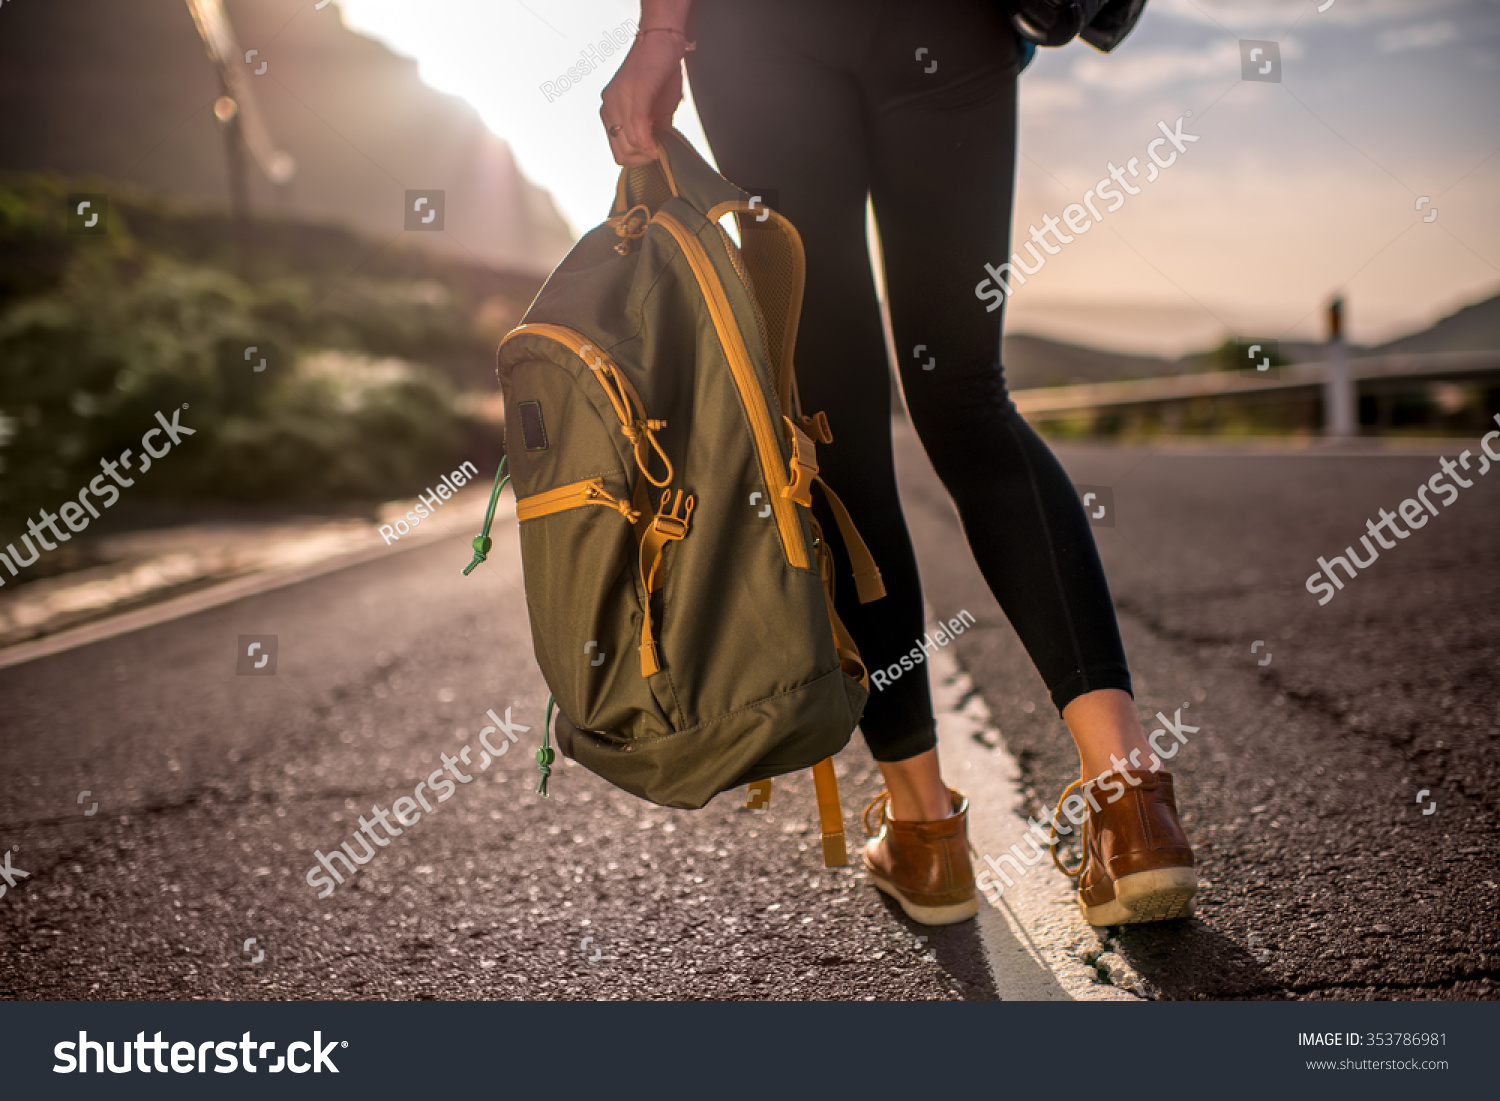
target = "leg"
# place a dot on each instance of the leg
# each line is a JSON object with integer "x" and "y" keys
{"x": 802, "y": 133}
{"x": 943, "y": 168}
{"x": 1106, "y": 732}
{"x": 918, "y": 793}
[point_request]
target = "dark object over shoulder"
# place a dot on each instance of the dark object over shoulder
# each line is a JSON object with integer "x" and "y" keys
{"x": 1103, "y": 24}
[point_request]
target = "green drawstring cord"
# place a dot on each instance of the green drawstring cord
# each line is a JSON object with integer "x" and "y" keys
{"x": 545, "y": 756}
{"x": 482, "y": 544}
{"x": 482, "y": 541}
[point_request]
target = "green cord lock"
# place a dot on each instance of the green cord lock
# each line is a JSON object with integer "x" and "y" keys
{"x": 482, "y": 542}
{"x": 545, "y": 756}
{"x": 482, "y": 545}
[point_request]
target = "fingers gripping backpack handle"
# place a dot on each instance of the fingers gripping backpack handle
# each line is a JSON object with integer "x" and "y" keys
{"x": 678, "y": 171}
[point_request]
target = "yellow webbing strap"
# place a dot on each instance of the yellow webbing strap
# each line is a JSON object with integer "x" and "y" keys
{"x": 866, "y": 574}
{"x": 667, "y": 525}
{"x": 758, "y": 795}
{"x": 816, "y": 424}
{"x": 830, "y": 814}
{"x": 843, "y": 642}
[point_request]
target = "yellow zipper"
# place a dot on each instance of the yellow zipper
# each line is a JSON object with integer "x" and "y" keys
{"x": 784, "y": 508}
{"x": 590, "y": 491}
{"x": 571, "y": 339}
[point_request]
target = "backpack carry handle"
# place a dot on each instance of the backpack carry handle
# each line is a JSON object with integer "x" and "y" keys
{"x": 678, "y": 172}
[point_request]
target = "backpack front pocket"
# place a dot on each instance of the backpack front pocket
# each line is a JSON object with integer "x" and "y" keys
{"x": 589, "y": 491}
{"x": 581, "y": 516}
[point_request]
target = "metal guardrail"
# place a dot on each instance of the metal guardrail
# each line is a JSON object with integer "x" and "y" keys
{"x": 1066, "y": 399}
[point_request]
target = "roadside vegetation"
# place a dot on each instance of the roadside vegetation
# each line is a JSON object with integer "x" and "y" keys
{"x": 378, "y": 360}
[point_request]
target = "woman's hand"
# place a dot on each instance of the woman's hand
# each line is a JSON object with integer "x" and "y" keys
{"x": 645, "y": 91}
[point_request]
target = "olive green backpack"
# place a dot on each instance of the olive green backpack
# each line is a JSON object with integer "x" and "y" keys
{"x": 680, "y": 590}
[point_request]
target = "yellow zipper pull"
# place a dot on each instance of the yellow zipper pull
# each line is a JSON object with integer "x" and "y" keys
{"x": 631, "y": 226}
{"x": 600, "y": 496}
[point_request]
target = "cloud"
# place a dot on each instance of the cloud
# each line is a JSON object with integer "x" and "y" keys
{"x": 1417, "y": 36}
{"x": 1049, "y": 96}
{"x": 1161, "y": 68}
{"x": 1240, "y": 15}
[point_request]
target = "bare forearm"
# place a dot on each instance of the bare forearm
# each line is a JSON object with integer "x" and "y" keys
{"x": 648, "y": 86}
{"x": 665, "y": 13}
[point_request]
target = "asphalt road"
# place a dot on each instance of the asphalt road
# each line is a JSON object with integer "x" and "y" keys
{"x": 214, "y": 789}
{"x": 1325, "y": 879}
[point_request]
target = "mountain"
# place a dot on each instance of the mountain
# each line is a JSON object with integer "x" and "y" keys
{"x": 1475, "y": 328}
{"x": 1032, "y": 361}
{"x": 125, "y": 92}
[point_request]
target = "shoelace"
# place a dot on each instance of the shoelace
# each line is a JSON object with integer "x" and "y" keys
{"x": 1083, "y": 834}
{"x": 882, "y": 801}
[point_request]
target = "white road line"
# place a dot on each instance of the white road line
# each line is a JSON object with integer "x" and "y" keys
{"x": 1182, "y": 448}
{"x": 239, "y": 589}
{"x": 1034, "y": 937}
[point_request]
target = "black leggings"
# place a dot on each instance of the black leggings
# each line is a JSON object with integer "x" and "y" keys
{"x": 821, "y": 102}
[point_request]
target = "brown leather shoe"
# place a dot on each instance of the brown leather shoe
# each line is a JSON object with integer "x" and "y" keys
{"x": 923, "y": 865}
{"x": 1137, "y": 863}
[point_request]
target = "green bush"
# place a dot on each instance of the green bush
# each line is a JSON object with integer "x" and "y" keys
{"x": 99, "y": 333}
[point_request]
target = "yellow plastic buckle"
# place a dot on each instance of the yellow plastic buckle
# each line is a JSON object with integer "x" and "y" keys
{"x": 672, "y": 522}
{"x": 802, "y": 468}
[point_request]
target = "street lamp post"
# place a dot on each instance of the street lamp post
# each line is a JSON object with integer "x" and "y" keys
{"x": 1338, "y": 391}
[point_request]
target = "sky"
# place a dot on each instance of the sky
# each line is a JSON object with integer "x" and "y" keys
{"x": 1323, "y": 183}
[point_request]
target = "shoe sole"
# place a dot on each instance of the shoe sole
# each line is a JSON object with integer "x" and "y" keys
{"x": 928, "y": 915}
{"x": 1158, "y": 895}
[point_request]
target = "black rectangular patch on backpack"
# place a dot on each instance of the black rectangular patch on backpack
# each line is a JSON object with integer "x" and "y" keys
{"x": 533, "y": 431}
